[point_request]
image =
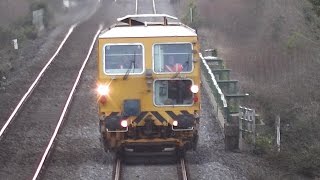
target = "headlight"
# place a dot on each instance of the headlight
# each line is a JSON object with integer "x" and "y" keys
{"x": 103, "y": 89}
{"x": 175, "y": 123}
{"x": 194, "y": 89}
{"x": 124, "y": 123}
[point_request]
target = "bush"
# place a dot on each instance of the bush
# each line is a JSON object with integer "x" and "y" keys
{"x": 300, "y": 135}
{"x": 304, "y": 161}
{"x": 23, "y": 28}
{"x": 25, "y": 32}
{"x": 30, "y": 32}
{"x": 316, "y": 6}
{"x": 6, "y": 35}
{"x": 299, "y": 108}
{"x": 264, "y": 144}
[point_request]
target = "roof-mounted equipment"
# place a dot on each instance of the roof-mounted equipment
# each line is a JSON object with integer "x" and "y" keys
{"x": 131, "y": 19}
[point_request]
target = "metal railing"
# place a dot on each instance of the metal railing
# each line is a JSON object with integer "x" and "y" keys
{"x": 214, "y": 87}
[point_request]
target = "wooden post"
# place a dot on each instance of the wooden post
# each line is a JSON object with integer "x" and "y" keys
{"x": 253, "y": 115}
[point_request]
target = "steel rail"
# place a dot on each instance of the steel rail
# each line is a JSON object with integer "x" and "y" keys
{"x": 36, "y": 81}
{"x": 36, "y": 174}
{"x": 117, "y": 171}
{"x": 183, "y": 169}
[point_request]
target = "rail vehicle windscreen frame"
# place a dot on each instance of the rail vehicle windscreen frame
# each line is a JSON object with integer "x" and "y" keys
{"x": 180, "y": 52}
{"x": 173, "y": 92}
{"x": 123, "y": 58}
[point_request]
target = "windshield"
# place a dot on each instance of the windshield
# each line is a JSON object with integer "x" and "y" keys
{"x": 173, "y": 92}
{"x": 119, "y": 58}
{"x": 172, "y": 58}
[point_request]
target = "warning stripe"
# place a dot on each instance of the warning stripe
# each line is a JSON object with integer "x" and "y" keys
{"x": 111, "y": 114}
{"x": 114, "y": 113}
{"x": 140, "y": 117}
{"x": 184, "y": 112}
{"x": 158, "y": 116}
{"x": 172, "y": 114}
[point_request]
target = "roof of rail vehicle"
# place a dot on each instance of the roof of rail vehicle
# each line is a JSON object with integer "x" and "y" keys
{"x": 123, "y": 19}
{"x": 148, "y": 29}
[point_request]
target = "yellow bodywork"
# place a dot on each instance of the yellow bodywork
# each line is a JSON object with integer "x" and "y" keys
{"x": 135, "y": 87}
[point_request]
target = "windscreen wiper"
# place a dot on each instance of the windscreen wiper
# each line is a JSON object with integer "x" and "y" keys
{"x": 132, "y": 66}
{"x": 184, "y": 64}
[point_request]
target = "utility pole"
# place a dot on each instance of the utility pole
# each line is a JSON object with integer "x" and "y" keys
{"x": 191, "y": 14}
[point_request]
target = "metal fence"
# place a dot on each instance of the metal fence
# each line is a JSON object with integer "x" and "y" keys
{"x": 225, "y": 98}
{"x": 247, "y": 126}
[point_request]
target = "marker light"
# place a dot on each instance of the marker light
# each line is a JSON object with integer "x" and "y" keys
{"x": 103, "y": 89}
{"x": 195, "y": 99}
{"x": 103, "y": 100}
{"x": 175, "y": 123}
{"x": 124, "y": 123}
{"x": 194, "y": 88}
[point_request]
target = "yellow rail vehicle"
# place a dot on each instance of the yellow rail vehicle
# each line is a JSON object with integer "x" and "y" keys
{"x": 148, "y": 85}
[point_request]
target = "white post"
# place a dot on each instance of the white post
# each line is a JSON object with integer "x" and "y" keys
{"x": 15, "y": 43}
{"x": 278, "y": 132}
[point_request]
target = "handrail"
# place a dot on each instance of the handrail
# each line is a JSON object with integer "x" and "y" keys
{"x": 222, "y": 97}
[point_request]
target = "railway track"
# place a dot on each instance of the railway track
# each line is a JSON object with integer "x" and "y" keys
{"x": 183, "y": 173}
{"x": 39, "y": 116}
{"x": 35, "y": 82}
{"x": 117, "y": 170}
{"x": 66, "y": 106}
{"x": 20, "y": 142}
{"x": 36, "y": 120}
{"x": 30, "y": 132}
{"x": 146, "y": 7}
{"x": 182, "y": 169}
